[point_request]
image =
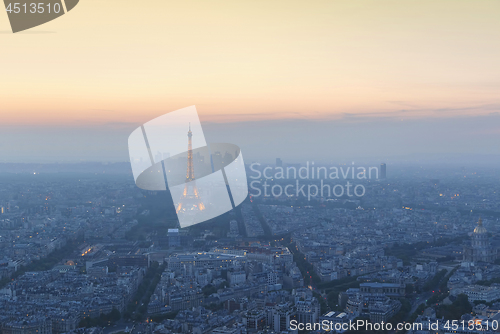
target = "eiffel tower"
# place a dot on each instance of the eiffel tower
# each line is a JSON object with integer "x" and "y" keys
{"x": 190, "y": 198}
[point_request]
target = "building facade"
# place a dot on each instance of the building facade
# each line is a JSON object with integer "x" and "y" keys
{"x": 480, "y": 249}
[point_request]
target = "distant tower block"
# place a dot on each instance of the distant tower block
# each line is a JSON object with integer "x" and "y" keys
{"x": 279, "y": 162}
{"x": 190, "y": 199}
{"x": 383, "y": 171}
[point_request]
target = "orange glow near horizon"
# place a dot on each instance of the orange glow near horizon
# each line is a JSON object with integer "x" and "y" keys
{"x": 128, "y": 62}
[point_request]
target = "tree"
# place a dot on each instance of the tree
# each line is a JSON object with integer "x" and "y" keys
{"x": 208, "y": 290}
{"x": 223, "y": 285}
{"x": 454, "y": 311}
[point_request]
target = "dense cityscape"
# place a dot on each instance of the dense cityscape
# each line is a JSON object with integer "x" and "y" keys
{"x": 93, "y": 253}
{"x": 250, "y": 167}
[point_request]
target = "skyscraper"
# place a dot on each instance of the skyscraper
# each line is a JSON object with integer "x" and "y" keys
{"x": 383, "y": 171}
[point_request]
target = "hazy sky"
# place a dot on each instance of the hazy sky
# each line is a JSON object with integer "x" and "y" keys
{"x": 82, "y": 82}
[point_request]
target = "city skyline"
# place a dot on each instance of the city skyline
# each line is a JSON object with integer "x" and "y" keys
{"x": 250, "y": 167}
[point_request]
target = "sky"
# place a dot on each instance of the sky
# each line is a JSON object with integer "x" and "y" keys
{"x": 315, "y": 79}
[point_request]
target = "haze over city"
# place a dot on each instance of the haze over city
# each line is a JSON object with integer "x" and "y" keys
{"x": 339, "y": 172}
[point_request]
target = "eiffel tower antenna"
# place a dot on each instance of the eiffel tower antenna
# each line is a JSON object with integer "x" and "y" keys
{"x": 190, "y": 199}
